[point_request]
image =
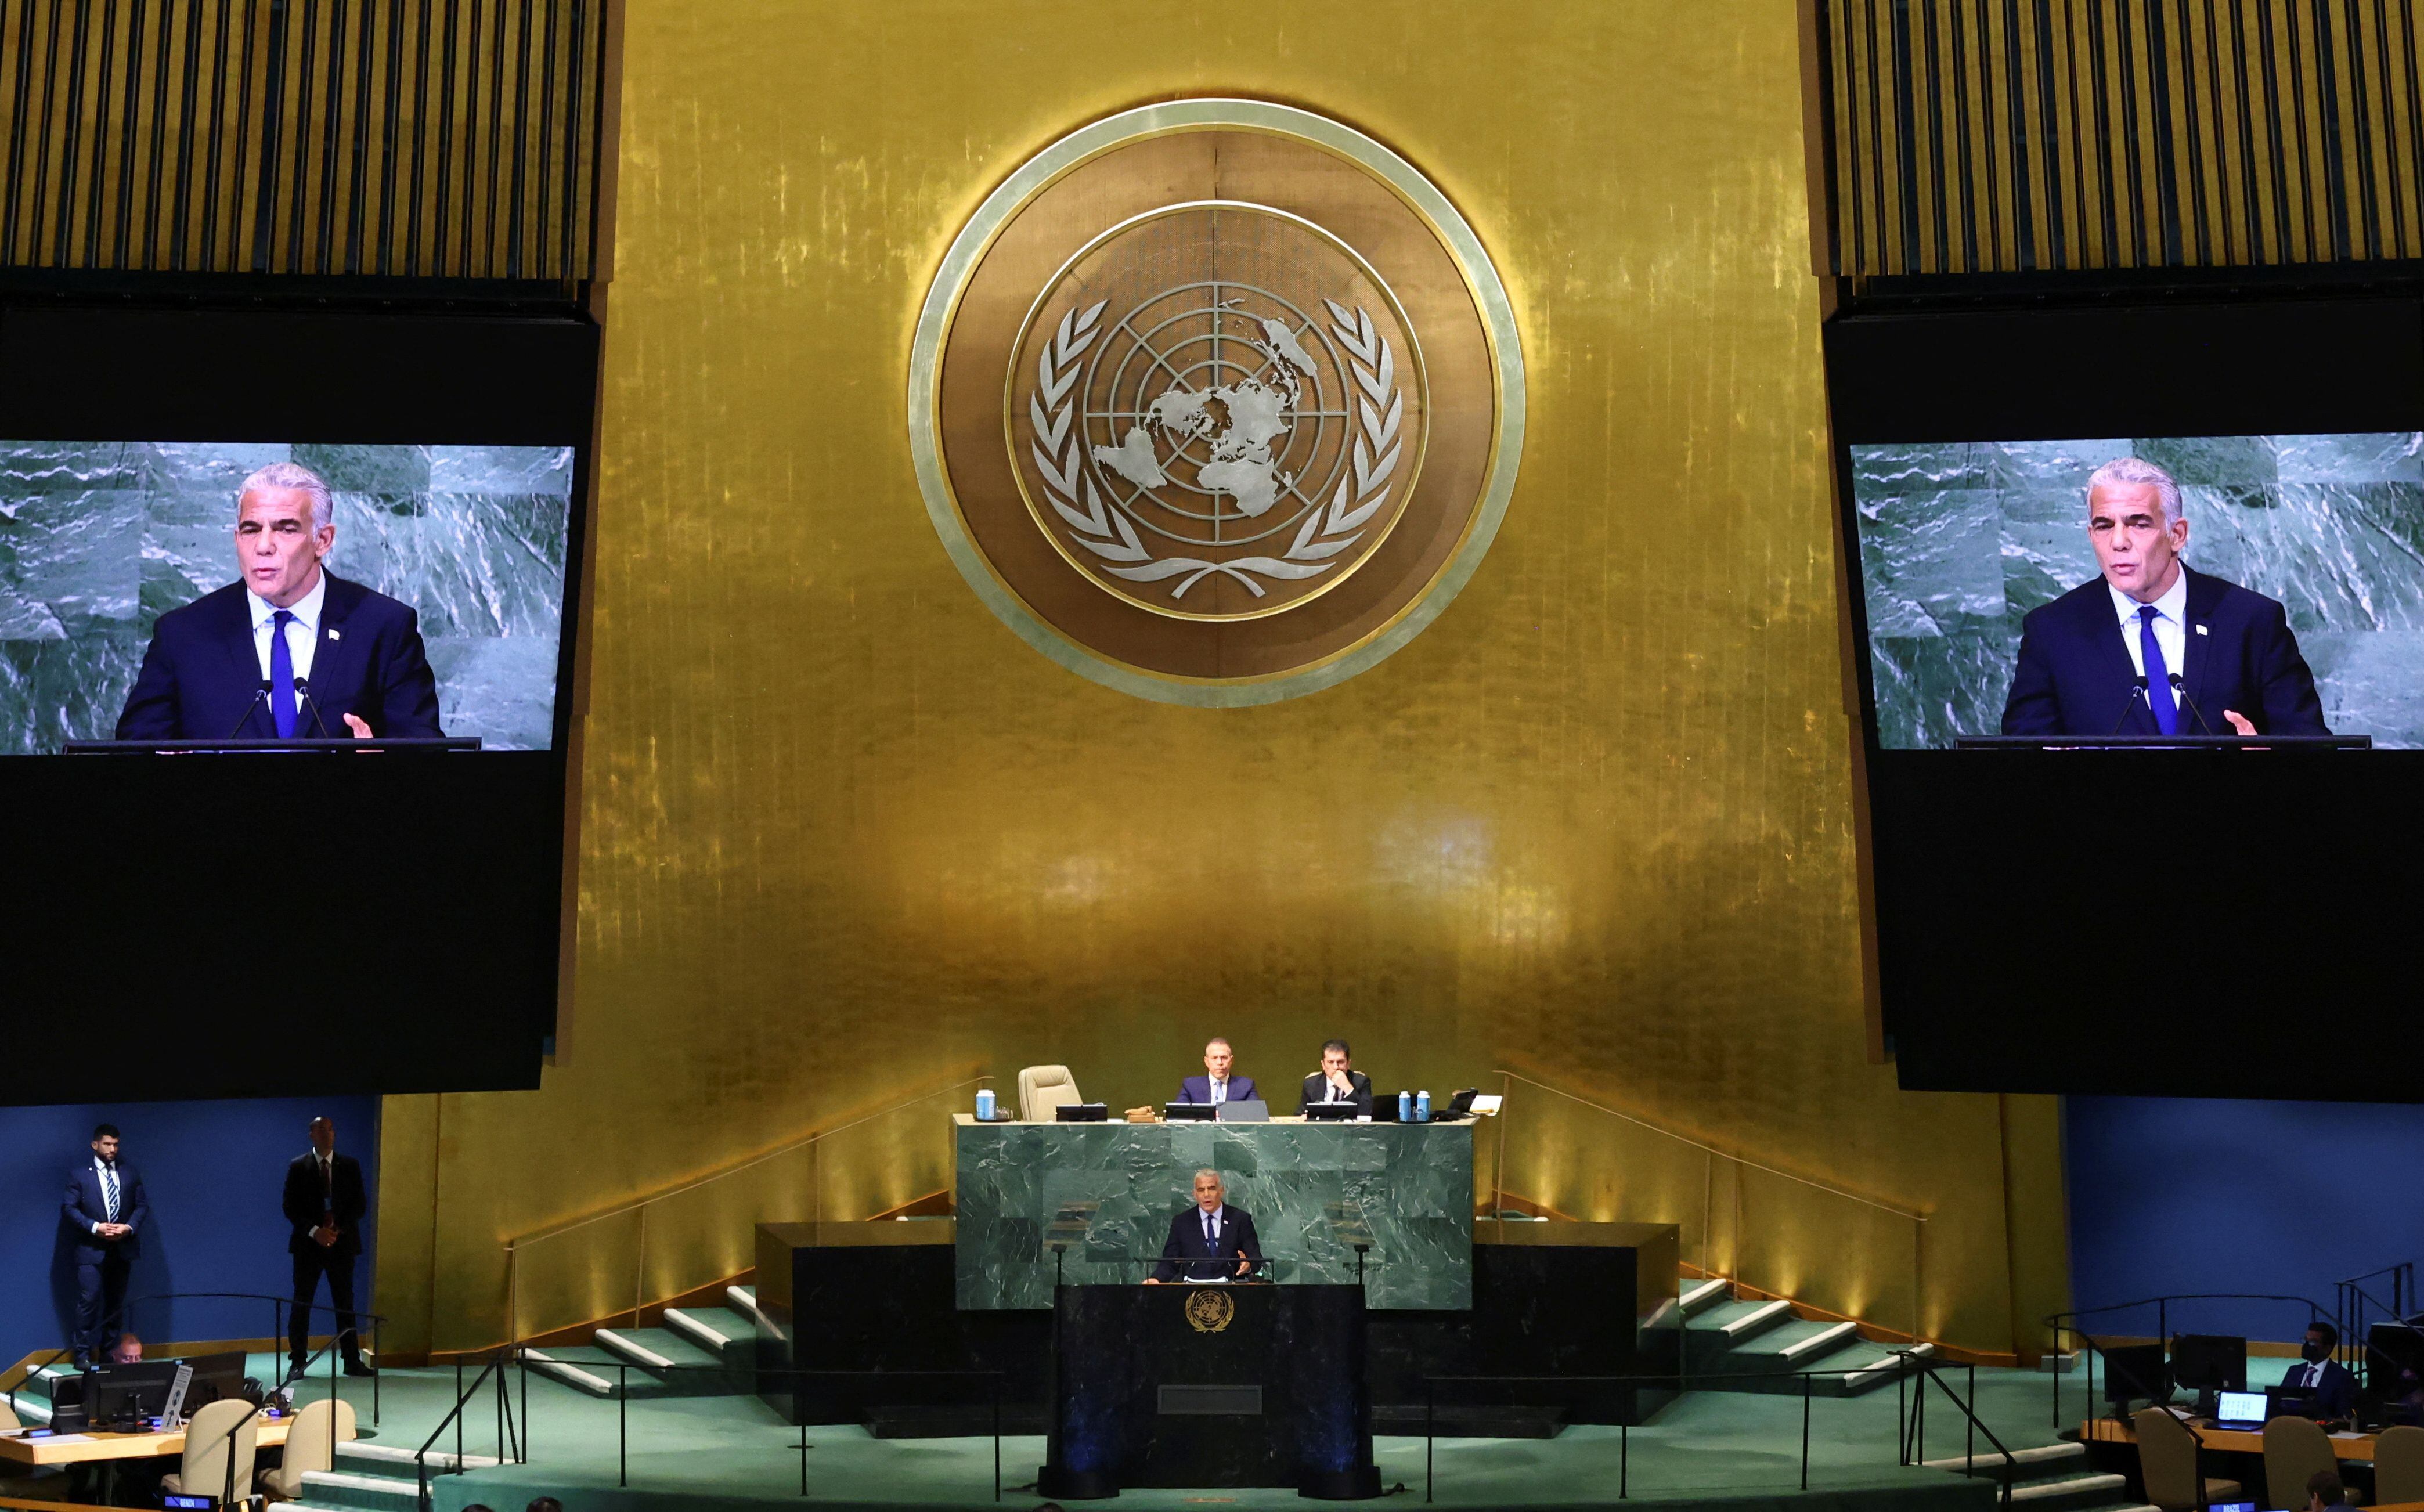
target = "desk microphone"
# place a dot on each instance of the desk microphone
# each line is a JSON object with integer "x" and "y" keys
{"x": 2180, "y": 690}
{"x": 241, "y": 719}
{"x": 303, "y": 691}
{"x": 2137, "y": 694}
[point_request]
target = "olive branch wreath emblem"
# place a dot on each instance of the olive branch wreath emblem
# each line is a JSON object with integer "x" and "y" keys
{"x": 1059, "y": 452}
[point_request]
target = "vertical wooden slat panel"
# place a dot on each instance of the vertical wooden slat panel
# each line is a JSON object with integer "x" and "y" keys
{"x": 1993, "y": 135}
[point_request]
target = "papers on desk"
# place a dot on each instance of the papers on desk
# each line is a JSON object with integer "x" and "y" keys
{"x": 1484, "y": 1107}
{"x": 67, "y": 1438}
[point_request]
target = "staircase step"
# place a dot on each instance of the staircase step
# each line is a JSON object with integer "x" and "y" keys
{"x": 716, "y": 1331}
{"x": 662, "y": 1351}
{"x": 594, "y": 1372}
{"x": 394, "y": 1459}
{"x": 1734, "y": 1322}
{"x": 2037, "y": 1459}
{"x": 2081, "y": 1490}
{"x": 1795, "y": 1342}
{"x": 1702, "y": 1296}
{"x": 369, "y": 1493}
{"x": 1885, "y": 1365}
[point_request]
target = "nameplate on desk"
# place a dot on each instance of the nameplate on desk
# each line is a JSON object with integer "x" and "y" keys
{"x": 1212, "y": 1401}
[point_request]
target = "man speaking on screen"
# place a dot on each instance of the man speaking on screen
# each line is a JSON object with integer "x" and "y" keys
{"x": 292, "y": 650}
{"x": 2152, "y": 647}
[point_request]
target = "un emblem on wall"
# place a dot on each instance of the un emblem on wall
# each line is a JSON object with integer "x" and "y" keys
{"x": 1217, "y": 402}
{"x": 1217, "y": 437}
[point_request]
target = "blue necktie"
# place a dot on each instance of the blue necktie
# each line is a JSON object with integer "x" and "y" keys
{"x": 109, "y": 1194}
{"x": 1211, "y": 1239}
{"x": 2158, "y": 676}
{"x": 282, "y": 676}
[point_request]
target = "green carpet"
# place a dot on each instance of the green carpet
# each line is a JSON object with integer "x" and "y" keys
{"x": 1714, "y": 1450}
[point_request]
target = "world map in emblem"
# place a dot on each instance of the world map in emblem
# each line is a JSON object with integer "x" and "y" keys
{"x": 1226, "y": 445}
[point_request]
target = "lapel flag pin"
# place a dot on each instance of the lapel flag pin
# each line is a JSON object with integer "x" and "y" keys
{"x": 335, "y": 634}
{"x": 2201, "y": 629}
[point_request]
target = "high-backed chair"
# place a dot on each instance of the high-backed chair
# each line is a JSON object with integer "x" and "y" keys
{"x": 208, "y": 1444}
{"x": 311, "y": 1442}
{"x": 1043, "y": 1088}
{"x": 2399, "y": 1466}
{"x": 2167, "y": 1463}
{"x": 2295, "y": 1449}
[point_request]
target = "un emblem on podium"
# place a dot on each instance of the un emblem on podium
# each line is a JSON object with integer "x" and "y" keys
{"x": 1209, "y": 1311}
{"x": 1217, "y": 402}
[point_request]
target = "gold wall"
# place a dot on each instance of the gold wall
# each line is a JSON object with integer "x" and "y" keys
{"x": 844, "y": 836}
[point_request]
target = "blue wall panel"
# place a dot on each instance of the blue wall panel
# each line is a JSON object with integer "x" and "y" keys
{"x": 212, "y": 1173}
{"x": 2171, "y": 1194}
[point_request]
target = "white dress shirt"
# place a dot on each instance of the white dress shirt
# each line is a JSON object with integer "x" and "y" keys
{"x": 1215, "y": 1218}
{"x": 1220, "y": 1089}
{"x": 302, "y": 631}
{"x": 103, "y": 1174}
{"x": 2171, "y": 626}
{"x": 2308, "y": 1374}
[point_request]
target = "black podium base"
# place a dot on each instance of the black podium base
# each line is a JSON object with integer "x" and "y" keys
{"x": 1055, "y": 1483}
{"x": 1361, "y": 1484}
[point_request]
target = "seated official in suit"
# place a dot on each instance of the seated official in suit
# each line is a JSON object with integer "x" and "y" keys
{"x": 2151, "y": 647}
{"x": 2334, "y": 1387}
{"x": 105, "y": 1209}
{"x": 1217, "y": 1085}
{"x": 1338, "y": 1081}
{"x": 1209, "y": 1241}
{"x": 293, "y": 649}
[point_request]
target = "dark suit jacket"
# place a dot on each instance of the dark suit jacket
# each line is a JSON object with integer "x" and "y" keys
{"x": 305, "y": 1202}
{"x": 84, "y": 1208}
{"x": 2074, "y": 674}
{"x": 1198, "y": 1090}
{"x": 1317, "y": 1089}
{"x": 2336, "y": 1393}
{"x": 1186, "y": 1241}
{"x": 201, "y": 673}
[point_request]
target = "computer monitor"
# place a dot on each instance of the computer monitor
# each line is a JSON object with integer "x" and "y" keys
{"x": 2239, "y": 1409}
{"x": 128, "y": 1393}
{"x": 216, "y": 1378}
{"x": 1246, "y": 1110}
{"x": 2134, "y": 1373}
{"x": 2208, "y": 1363}
{"x": 1187, "y": 1112}
{"x": 1333, "y": 1112}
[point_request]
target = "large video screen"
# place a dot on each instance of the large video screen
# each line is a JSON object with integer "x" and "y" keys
{"x": 234, "y": 541}
{"x": 139, "y": 582}
{"x": 1961, "y": 543}
{"x": 2141, "y": 527}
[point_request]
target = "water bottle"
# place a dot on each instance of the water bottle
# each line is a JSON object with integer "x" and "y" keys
{"x": 1423, "y": 1106}
{"x": 1405, "y": 1108}
{"x": 984, "y": 1104}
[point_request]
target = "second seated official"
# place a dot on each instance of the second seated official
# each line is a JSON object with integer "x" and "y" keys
{"x": 1338, "y": 1081}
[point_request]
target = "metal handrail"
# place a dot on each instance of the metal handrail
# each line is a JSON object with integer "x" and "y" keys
{"x": 1906, "y": 1421}
{"x": 515, "y": 1245}
{"x": 508, "y": 1434}
{"x": 1712, "y": 1154}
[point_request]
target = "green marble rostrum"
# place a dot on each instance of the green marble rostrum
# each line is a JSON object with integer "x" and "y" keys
{"x": 1313, "y": 1191}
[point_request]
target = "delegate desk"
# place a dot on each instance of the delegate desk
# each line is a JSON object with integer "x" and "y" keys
{"x": 1087, "y": 1203}
{"x": 2358, "y": 1446}
{"x": 93, "y": 1448}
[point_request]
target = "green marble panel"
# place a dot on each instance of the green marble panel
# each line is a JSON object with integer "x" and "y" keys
{"x": 1310, "y": 1188}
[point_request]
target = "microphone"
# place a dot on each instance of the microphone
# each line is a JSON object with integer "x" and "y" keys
{"x": 2137, "y": 694}
{"x": 2179, "y": 691}
{"x": 241, "y": 719}
{"x": 303, "y": 692}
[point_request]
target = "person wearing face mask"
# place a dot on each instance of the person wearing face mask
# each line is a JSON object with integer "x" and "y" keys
{"x": 2321, "y": 1376}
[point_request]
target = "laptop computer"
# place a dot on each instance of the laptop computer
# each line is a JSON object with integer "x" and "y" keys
{"x": 1187, "y": 1112}
{"x": 2241, "y": 1411}
{"x": 1246, "y": 1110}
{"x": 1332, "y": 1112}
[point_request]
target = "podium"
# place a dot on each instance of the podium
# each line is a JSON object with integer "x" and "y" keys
{"x": 1238, "y": 1385}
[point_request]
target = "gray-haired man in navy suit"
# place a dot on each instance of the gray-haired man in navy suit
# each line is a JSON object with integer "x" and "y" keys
{"x": 104, "y": 1207}
{"x": 2151, "y": 647}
